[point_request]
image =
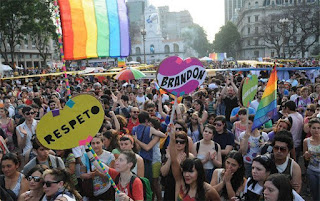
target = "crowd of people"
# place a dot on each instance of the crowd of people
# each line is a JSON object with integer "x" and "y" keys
{"x": 209, "y": 152}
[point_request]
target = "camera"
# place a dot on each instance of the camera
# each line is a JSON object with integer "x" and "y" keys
{"x": 190, "y": 111}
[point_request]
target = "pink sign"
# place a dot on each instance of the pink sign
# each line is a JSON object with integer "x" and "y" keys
{"x": 179, "y": 76}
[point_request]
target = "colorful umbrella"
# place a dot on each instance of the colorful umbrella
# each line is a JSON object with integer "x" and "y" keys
{"x": 129, "y": 74}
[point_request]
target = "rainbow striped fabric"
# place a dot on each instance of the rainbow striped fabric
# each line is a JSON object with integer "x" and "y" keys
{"x": 218, "y": 56}
{"x": 268, "y": 105}
{"x": 94, "y": 28}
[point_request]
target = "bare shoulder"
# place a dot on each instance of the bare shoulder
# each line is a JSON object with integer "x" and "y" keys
{"x": 211, "y": 193}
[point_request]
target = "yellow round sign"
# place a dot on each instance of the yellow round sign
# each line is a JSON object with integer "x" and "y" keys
{"x": 81, "y": 118}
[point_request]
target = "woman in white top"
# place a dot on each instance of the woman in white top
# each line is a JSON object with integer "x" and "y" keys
{"x": 311, "y": 149}
{"x": 262, "y": 167}
{"x": 208, "y": 151}
{"x": 57, "y": 186}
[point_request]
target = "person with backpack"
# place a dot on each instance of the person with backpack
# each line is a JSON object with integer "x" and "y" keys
{"x": 43, "y": 157}
{"x": 130, "y": 185}
{"x": 208, "y": 151}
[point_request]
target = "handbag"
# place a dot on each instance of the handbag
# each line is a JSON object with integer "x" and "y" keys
{"x": 87, "y": 184}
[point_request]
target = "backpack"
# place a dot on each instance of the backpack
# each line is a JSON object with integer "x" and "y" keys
{"x": 215, "y": 146}
{"x": 147, "y": 191}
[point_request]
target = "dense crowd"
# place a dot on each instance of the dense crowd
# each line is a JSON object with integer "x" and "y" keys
{"x": 209, "y": 152}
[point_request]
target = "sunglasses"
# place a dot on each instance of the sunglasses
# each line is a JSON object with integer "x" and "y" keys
{"x": 217, "y": 124}
{"x": 28, "y": 113}
{"x": 308, "y": 109}
{"x": 48, "y": 183}
{"x": 282, "y": 149}
{"x": 180, "y": 141}
{"x": 36, "y": 179}
{"x": 179, "y": 129}
{"x": 135, "y": 112}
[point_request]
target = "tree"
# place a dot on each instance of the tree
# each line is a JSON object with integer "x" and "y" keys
{"x": 41, "y": 26}
{"x": 297, "y": 34}
{"x": 12, "y": 17}
{"x": 195, "y": 37}
{"x": 227, "y": 40}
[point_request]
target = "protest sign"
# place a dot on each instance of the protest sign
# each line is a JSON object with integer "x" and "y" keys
{"x": 80, "y": 119}
{"x": 179, "y": 77}
{"x": 249, "y": 89}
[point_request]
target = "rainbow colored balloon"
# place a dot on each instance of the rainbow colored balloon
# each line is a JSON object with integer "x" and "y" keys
{"x": 94, "y": 28}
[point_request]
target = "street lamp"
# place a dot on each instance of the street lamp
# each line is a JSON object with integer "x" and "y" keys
{"x": 284, "y": 22}
{"x": 144, "y": 33}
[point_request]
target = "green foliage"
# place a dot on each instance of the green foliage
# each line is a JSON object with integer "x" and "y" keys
{"x": 227, "y": 40}
{"x": 195, "y": 37}
{"x": 20, "y": 18}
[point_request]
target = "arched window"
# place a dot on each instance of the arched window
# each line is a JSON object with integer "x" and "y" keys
{"x": 166, "y": 49}
{"x": 138, "y": 50}
{"x": 152, "y": 49}
{"x": 139, "y": 59}
{"x": 129, "y": 58}
{"x": 175, "y": 47}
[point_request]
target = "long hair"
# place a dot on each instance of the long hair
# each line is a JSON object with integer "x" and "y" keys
{"x": 201, "y": 107}
{"x": 183, "y": 135}
{"x": 113, "y": 137}
{"x": 63, "y": 175}
{"x": 237, "y": 178}
{"x": 187, "y": 166}
{"x": 282, "y": 183}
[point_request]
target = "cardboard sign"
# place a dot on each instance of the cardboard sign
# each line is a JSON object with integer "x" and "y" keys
{"x": 249, "y": 89}
{"x": 179, "y": 76}
{"x": 81, "y": 118}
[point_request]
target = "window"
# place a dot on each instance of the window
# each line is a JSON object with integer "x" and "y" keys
{"x": 249, "y": 42}
{"x": 166, "y": 49}
{"x": 256, "y": 42}
{"x": 248, "y": 19}
{"x": 272, "y": 54}
{"x": 152, "y": 49}
{"x": 248, "y": 30}
{"x": 256, "y": 18}
{"x": 138, "y": 50}
{"x": 256, "y": 30}
{"x": 139, "y": 59}
{"x": 175, "y": 47}
{"x": 256, "y": 54}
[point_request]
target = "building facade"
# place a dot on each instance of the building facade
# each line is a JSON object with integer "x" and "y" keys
{"x": 158, "y": 35}
{"x": 254, "y": 18}
{"x": 27, "y": 55}
{"x": 232, "y": 8}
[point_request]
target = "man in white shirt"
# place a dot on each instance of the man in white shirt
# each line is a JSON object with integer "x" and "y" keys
{"x": 254, "y": 104}
{"x": 27, "y": 129}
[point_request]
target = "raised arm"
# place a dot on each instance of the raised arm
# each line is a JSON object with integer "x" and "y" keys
{"x": 176, "y": 170}
{"x": 160, "y": 110}
{"x": 115, "y": 119}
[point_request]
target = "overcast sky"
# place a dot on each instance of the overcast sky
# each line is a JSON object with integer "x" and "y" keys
{"x": 207, "y": 13}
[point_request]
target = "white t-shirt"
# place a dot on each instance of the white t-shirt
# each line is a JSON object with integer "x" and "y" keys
{"x": 253, "y": 146}
{"x": 101, "y": 185}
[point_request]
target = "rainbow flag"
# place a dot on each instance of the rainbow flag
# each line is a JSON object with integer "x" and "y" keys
{"x": 218, "y": 56}
{"x": 121, "y": 62}
{"x": 94, "y": 28}
{"x": 267, "y": 108}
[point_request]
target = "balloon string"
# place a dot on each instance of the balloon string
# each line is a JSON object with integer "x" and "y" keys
{"x": 103, "y": 168}
{"x": 59, "y": 31}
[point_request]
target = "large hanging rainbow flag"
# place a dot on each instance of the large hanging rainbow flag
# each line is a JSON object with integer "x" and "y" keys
{"x": 218, "y": 56}
{"x": 267, "y": 108}
{"x": 94, "y": 28}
